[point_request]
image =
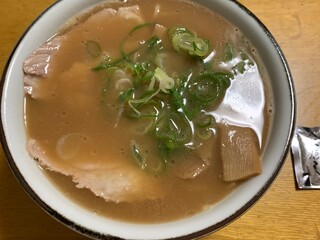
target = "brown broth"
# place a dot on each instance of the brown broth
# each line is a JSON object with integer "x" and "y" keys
{"x": 71, "y": 104}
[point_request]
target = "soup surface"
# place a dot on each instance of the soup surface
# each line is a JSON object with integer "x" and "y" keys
{"x": 145, "y": 111}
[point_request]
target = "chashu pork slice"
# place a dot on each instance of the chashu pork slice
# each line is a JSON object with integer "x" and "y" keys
{"x": 240, "y": 152}
{"x": 37, "y": 65}
{"x": 114, "y": 182}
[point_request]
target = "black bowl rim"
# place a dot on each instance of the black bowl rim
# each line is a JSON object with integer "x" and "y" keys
{"x": 201, "y": 233}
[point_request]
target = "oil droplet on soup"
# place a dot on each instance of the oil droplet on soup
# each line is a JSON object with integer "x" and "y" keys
{"x": 142, "y": 113}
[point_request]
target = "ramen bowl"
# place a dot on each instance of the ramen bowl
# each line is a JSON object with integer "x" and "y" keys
{"x": 56, "y": 204}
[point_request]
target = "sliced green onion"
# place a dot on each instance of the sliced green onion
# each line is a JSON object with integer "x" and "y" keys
{"x": 165, "y": 82}
{"x": 137, "y": 154}
{"x": 142, "y": 25}
{"x": 197, "y": 93}
{"x": 124, "y": 96}
{"x": 145, "y": 125}
{"x": 204, "y": 133}
{"x": 149, "y": 113}
{"x": 200, "y": 47}
{"x": 229, "y": 52}
{"x": 93, "y": 48}
{"x": 133, "y": 30}
{"x": 142, "y": 100}
{"x": 107, "y": 64}
{"x": 204, "y": 120}
{"x": 153, "y": 42}
{"x": 148, "y": 76}
{"x": 183, "y": 40}
{"x": 240, "y": 67}
{"x": 173, "y": 130}
{"x": 176, "y": 30}
{"x": 154, "y": 165}
{"x": 210, "y": 87}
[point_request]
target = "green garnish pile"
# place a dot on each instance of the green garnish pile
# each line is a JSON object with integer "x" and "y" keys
{"x": 175, "y": 109}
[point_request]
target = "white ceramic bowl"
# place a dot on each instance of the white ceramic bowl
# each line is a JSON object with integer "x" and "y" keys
{"x": 49, "y": 198}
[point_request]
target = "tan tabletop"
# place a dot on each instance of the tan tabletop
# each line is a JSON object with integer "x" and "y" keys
{"x": 282, "y": 213}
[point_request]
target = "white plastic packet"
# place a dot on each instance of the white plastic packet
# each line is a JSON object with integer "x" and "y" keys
{"x": 306, "y": 157}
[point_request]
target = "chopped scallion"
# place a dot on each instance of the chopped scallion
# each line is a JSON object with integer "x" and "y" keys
{"x": 93, "y": 48}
